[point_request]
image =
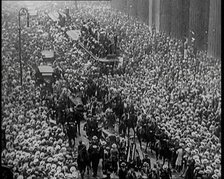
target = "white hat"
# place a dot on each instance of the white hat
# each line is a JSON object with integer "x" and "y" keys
{"x": 53, "y": 166}
{"x": 216, "y": 171}
{"x": 72, "y": 169}
{"x": 59, "y": 169}
{"x": 217, "y": 161}
{"x": 114, "y": 146}
{"x": 215, "y": 176}
{"x": 187, "y": 149}
{"x": 205, "y": 161}
{"x": 104, "y": 143}
{"x": 20, "y": 177}
{"x": 208, "y": 171}
{"x": 50, "y": 159}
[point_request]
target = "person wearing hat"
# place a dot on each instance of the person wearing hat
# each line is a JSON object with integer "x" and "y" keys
{"x": 114, "y": 154}
{"x": 145, "y": 170}
{"x": 147, "y": 160}
{"x": 122, "y": 173}
{"x": 122, "y": 147}
{"x": 78, "y": 116}
{"x": 87, "y": 126}
{"x": 165, "y": 172}
{"x": 95, "y": 153}
{"x": 110, "y": 118}
{"x": 71, "y": 128}
{"x": 131, "y": 173}
{"x": 179, "y": 159}
{"x": 190, "y": 169}
{"x": 106, "y": 163}
{"x": 138, "y": 163}
{"x": 83, "y": 159}
{"x": 93, "y": 126}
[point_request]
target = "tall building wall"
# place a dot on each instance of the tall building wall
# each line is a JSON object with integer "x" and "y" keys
{"x": 124, "y": 6}
{"x": 214, "y": 32}
{"x": 119, "y": 5}
{"x": 139, "y": 10}
{"x": 165, "y": 16}
{"x": 143, "y": 10}
{"x": 178, "y": 18}
{"x": 150, "y": 14}
{"x": 156, "y": 14}
{"x": 145, "y": 6}
{"x": 198, "y": 22}
{"x": 133, "y": 8}
{"x": 185, "y": 18}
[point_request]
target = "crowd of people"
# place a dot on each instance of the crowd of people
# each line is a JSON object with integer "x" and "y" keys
{"x": 96, "y": 39}
{"x": 164, "y": 79}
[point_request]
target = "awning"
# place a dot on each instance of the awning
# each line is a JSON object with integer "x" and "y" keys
{"x": 63, "y": 14}
{"x": 54, "y": 16}
{"x": 47, "y": 74}
{"x": 76, "y": 101}
{"x": 45, "y": 70}
{"x": 104, "y": 60}
{"x": 47, "y": 54}
{"x": 74, "y": 34}
{"x": 33, "y": 13}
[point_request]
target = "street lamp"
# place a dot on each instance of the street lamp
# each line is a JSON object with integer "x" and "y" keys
{"x": 22, "y": 11}
{"x": 129, "y": 7}
{"x": 76, "y": 5}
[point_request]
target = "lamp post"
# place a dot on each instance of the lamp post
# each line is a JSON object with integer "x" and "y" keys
{"x": 21, "y": 12}
{"x": 129, "y": 8}
{"x": 76, "y": 5}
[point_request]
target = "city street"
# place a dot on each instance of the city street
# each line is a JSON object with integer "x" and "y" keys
{"x": 84, "y": 138}
{"x": 150, "y": 66}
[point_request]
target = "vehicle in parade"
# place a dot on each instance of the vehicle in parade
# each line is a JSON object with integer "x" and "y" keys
{"x": 59, "y": 17}
{"x": 88, "y": 112}
{"x": 48, "y": 57}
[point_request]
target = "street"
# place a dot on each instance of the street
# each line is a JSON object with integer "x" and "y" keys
{"x": 84, "y": 138}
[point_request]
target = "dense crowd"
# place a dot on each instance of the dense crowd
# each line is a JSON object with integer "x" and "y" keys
{"x": 163, "y": 79}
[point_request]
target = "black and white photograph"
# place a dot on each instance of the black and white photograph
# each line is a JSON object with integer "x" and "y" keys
{"x": 111, "y": 89}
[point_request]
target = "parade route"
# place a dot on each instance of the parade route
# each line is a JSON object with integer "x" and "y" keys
{"x": 84, "y": 138}
{"x": 100, "y": 63}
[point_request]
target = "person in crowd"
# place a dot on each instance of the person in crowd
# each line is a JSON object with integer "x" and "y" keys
{"x": 147, "y": 160}
{"x": 71, "y": 127}
{"x": 114, "y": 154}
{"x": 131, "y": 174}
{"x": 94, "y": 154}
{"x": 179, "y": 159}
{"x": 83, "y": 158}
{"x": 165, "y": 172}
{"x": 183, "y": 94}
{"x": 138, "y": 164}
{"x": 190, "y": 169}
{"x": 122, "y": 173}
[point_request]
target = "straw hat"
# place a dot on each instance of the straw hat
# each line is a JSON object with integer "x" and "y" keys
{"x": 72, "y": 169}
{"x": 114, "y": 146}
